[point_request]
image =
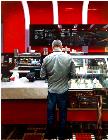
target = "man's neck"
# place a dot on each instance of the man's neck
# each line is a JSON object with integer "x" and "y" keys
{"x": 57, "y": 49}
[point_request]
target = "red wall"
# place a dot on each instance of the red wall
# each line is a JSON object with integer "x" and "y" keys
{"x": 41, "y": 12}
{"x": 70, "y": 12}
{"x": 94, "y": 49}
{"x": 98, "y": 12}
{"x": 13, "y": 26}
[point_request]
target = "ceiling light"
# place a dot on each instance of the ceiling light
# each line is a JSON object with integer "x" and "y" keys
{"x": 92, "y": 9}
{"x": 69, "y": 9}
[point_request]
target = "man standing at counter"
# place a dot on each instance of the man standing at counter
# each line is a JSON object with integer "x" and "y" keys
{"x": 59, "y": 68}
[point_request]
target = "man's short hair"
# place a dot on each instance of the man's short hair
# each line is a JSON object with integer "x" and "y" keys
{"x": 56, "y": 43}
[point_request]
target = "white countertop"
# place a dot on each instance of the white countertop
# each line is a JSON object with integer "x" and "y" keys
{"x": 23, "y": 89}
{"x": 24, "y": 83}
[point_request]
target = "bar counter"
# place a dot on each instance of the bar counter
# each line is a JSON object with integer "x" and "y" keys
{"x": 25, "y": 102}
{"x": 21, "y": 88}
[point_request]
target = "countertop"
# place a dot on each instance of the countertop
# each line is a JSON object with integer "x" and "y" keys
{"x": 23, "y": 89}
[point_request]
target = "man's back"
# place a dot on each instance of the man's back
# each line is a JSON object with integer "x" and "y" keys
{"x": 58, "y": 67}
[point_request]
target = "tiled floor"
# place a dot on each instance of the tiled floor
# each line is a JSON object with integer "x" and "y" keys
{"x": 37, "y": 132}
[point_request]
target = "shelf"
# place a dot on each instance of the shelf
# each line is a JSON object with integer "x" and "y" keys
{"x": 28, "y": 56}
{"x": 23, "y": 71}
{"x": 89, "y": 56}
{"x": 29, "y": 66}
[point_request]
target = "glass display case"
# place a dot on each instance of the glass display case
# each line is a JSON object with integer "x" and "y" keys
{"x": 91, "y": 72}
{"x": 28, "y": 62}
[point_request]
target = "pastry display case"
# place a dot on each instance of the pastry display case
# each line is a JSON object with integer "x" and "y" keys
{"x": 91, "y": 72}
{"x": 91, "y": 80}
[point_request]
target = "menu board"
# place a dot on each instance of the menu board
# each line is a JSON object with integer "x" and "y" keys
{"x": 70, "y": 35}
{"x": 43, "y": 35}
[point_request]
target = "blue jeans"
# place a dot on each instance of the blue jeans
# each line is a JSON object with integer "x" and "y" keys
{"x": 61, "y": 101}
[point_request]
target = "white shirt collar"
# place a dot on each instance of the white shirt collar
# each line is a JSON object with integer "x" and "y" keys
{"x": 57, "y": 50}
